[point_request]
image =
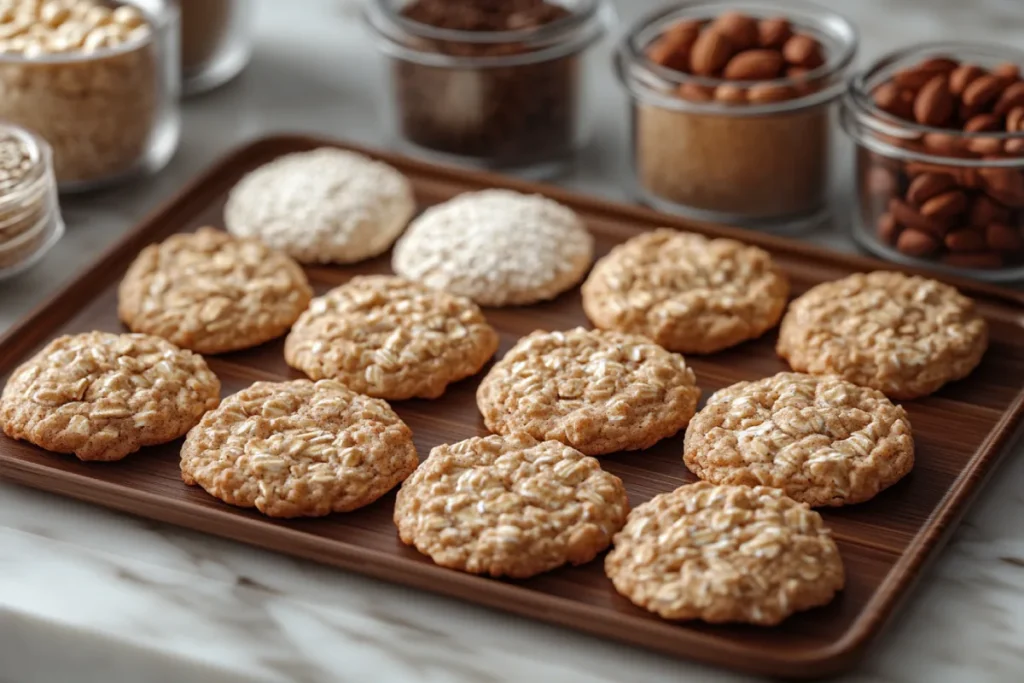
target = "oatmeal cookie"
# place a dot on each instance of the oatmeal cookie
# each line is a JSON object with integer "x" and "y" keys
{"x": 497, "y": 247}
{"x": 688, "y": 293}
{"x": 904, "y": 335}
{"x": 509, "y": 506}
{"x": 596, "y": 391}
{"x": 211, "y": 292}
{"x": 103, "y": 396}
{"x": 324, "y": 206}
{"x": 725, "y": 554}
{"x": 822, "y": 440}
{"x": 390, "y": 338}
{"x": 299, "y": 449}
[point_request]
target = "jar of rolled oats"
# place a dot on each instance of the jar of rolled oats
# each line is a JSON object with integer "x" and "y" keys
{"x": 30, "y": 220}
{"x": 98, "y": 81}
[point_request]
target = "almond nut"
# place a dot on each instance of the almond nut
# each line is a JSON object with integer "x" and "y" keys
{"x": 916, "y": 77}
{"x": 983, "y": 123}
{"x": 888, "y": 230}
{"x": 928, "y": 185}
{"x": 944, "y": 144}
{"x": 1014, "y": 147}
{"x": 740, "y": 29}
{"x": 1015, "y": 120}
{"x": 945, "y": 206}
{"x": 730, "y": 94}
{"x": 695, "y": 92}
{"x": 962, "y": 76}
{"x": 710, "y": 53}
{"x": 981, "y": 259}
{"x": 934, "y": 105}
{"x": 774, "y": 32}
{"x": 754, "y": 65}
{"x": 1012, "y": 97}
{"x": 891, "y": 99}
{"x": 1005, "y": 185}
{"x": 672, "y": 50}
{"x": 965, "y": 240}
{"x": 1008, "y": 71}
{"x": 765, "y": 93}
{"x": 916, "y": 243}
{"x": 1003, "y": 237}
{"x": 985, "y": 146}
{"x": 982, "y": 90}
{"x": 908, "y": 217}
{"x": 803, "y": 50}
{"x": 986, "y": 210}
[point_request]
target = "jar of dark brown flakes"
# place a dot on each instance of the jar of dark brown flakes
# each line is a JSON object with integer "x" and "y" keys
{"x": 940, "y": 158}
{"x": 489, "y": 83}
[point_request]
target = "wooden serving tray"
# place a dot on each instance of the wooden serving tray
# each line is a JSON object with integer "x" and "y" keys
{"x": 960, "y": 434}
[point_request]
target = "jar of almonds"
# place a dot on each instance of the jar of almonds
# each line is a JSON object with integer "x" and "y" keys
{"x": 731, "y": 107}
{"x": 940, "y": 159}
{"x": 30, "y": 220}
{"x": 97, "y": 80}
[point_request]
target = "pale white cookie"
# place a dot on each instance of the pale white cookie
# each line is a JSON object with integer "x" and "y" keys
{"x": 324, "y": 206}
{"x": 497, "y": 247}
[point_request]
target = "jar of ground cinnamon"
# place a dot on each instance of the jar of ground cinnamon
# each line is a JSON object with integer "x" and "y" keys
{"x": 489, "y": 83}
{"x": 731, "y": 106}
{"x": 940, "y": 158}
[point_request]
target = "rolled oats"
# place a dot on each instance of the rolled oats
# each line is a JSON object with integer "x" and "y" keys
{"x": 822, "y": 440}
{"x": 509, "y": 506}
{"x": 103, "y": 396}
{"x": 387, "y": 337}
{"x": 212, "y": 293}
{"x": 596, "y": 391}
{"x": 903, "y": 335}
{"x": 324, "y": 206}
{"x": 87, "y": 78}
{"x": 686, "y": 292}
{"x": 725, "y": 554}
{"x": 497, "y": 247}
{"x": 299, "y": 449}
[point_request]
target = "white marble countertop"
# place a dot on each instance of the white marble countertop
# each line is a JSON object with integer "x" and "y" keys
{"x": 90, "y": 595}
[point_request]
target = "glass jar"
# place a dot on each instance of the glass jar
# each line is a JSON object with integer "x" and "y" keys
{"x": 946, "y": 199}
{"x": 216, "y": 42}
{"x": 504, "y": 100}
{"x": 98, "y": 82}
{"x": 760, "y": 157}
{"x": 30, "y": 220}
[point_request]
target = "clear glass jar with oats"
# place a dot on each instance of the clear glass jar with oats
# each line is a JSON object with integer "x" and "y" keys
{"x": 732, "y": 109}
{"x": 97, "y": 80}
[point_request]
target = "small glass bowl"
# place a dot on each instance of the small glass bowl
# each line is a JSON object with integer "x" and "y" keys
{"x": 109, "y": 114}
{"x": 30, "y": 218}
{"x": 761, "y": 165}
{"x": 986, "y": 168}
{"x": 503, "y": 100}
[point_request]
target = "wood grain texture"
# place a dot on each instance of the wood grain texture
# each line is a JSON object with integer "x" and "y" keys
{"x": 960, "y": 434}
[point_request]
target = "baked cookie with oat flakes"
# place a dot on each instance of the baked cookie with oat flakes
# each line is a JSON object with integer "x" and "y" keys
{"x": 299, "y": 449}
{"x": 387, "y": 337}
{"x": 596, "y": 391}
{"x": 687, "y": 292}
{"x": 327, "y": 205}
{"x": 725, "y": 554}
{"x": 904, "y": 335}
{"x": 497, "y": 247}
{"x": 509, "y": 506}
{"x": 211, "y": 292}
{"x": 821, "y": 440}
{"x": 102, "y": 396}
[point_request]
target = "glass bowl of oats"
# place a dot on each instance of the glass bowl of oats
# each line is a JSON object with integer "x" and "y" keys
{"x": 30, "y": 218}
{"x": 98, "y": 81}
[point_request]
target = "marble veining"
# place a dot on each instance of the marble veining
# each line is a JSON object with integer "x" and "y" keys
{"x": 90, "y": 595}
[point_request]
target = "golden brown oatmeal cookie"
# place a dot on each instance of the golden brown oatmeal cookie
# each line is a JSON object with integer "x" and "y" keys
{"x": 212, "y": 293}
{"x": 387, "y": 337}
{"x": 299, "y": 449}
{"x": 102, "y": 396}
{"x": 688, "y": 293}
{"x": 904, "y": 335}
{"x": 822, "y": 440}
{"x": 596, "y": 391}
{"x": 725, "y": 554}
{"x": 509, "y": 506}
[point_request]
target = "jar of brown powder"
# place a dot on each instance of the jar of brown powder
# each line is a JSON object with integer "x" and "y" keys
{"x": 489, "y": 83}
{"x": 731, "y": 109}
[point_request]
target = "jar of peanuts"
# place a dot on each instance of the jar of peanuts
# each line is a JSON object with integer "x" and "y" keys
{"x": 731, "y": 109}
{"x": 940, "y": 158}
{"x": 97, "y": 80}
{"x": 30, "y": 219}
